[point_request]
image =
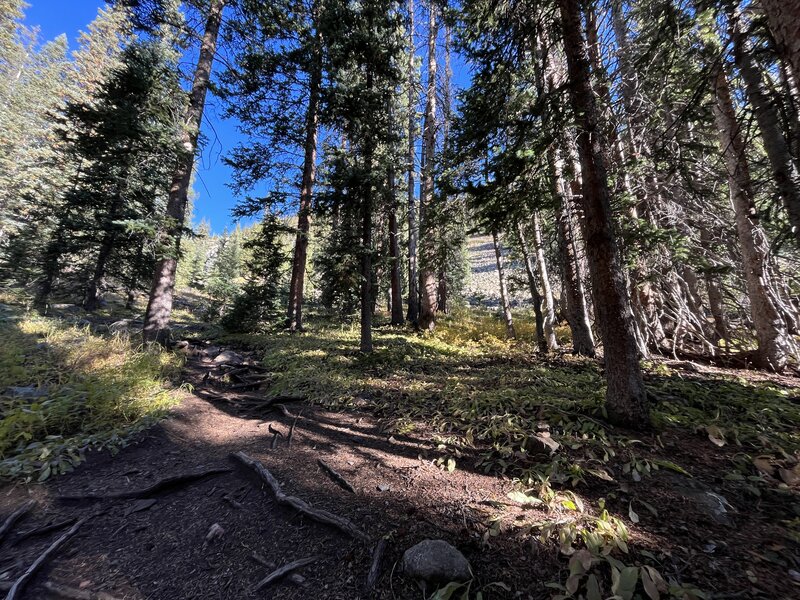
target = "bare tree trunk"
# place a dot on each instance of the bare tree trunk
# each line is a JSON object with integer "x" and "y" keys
{"x": 626, "y": 398}
{"x": 90, "y": 299}
{"x": 297, "y": 283}
{"x": 159, "y": 306}
{"x": 396, "y": 292}
{"x": 428, "y": 282}
{"x": 773, "y": 344}
{"x": 413, "y": 227}
{"x": 547, "y": 295}
{"x": 784, "y": 167}
{"x": 442, "y": 292}
{"x": 541, "y": 342}
{"x": 783, "y": 17}
{"x": 504, "y": 300}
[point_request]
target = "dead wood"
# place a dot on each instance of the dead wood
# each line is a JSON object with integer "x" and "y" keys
{"x": 295, "y": 578}
{"x": 301, "y": 506}
{"x": 278, "y": 573}
{"x": 43, "y": 530}
{"x": 337, "y": 477}
{"x": 74, "y": 594}
{"x": 20, "y": 583}
{"x": 14, "y": 517}
{"x": 291, "y": 429}
{"x": 162, "y": 485}
{"x": 375, "y": 567}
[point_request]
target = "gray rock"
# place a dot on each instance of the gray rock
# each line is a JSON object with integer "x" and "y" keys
{"x": 229, "y": 358}
{"x": 714, "y": 505}
{"x": 28, "y": 391}
{"x": 121, "y": 326}
{"x": 436, "y": 562}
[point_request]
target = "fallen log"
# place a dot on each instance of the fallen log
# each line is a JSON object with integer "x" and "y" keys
{"x": 284, "y": 570}
{"x": 319, "y": 515}
{"x": 158, "y": 487}
{"x": 337, "y": 478}
{"x": 14, "y": 517}
{"x": 23, "y": 580}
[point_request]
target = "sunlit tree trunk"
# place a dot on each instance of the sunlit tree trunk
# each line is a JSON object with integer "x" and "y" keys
{"x": 773, "y": 345}
{"x": 297, "y": 282}
{"x": 159, "y": 306}
{"x": 536, "y": 297}
{"x": 505, "y": 303}
{"x": 784, "y": 165}
{"x": 547, "y": 290}
{"x": 626, "y": 398}
{"x": 428, "y": 281}
{"x": 413, "y": 226}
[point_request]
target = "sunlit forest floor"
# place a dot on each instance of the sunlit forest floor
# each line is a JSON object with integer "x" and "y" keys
{"x": 460, "y": 435}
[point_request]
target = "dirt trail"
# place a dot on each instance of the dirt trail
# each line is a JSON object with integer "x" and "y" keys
{"x": 137, "y": 549}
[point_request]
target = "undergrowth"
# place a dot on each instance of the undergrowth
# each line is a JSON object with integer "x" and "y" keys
{"x": 64, "y": 390}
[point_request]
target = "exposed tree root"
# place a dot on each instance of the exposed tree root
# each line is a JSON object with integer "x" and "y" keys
{"x": 337, "y": 477}
{"x": 14, "y": 517}
{"x": 375, "y": 568}
{"x": 301, "y": 506}
{"x": 158, "y": 487}
{"x": 284, "y": 570}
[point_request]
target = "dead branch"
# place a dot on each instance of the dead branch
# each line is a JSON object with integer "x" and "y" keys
{"x": 301, "y": 506}
{"x": 337, "y": 477}
{"x": 20, "y": 583}
{"x": 14, "y": 517}
{"x": 43, "y": 530}
{"x": 294, "y": 578}
{"x": 291, "y": 429}
{"x": 73, "y": 594}
{"x": 278, "y": 573}
{"x": 375, "y": 568}
{"x": 158, "y": 487}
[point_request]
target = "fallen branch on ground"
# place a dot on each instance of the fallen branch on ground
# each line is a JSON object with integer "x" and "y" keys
{"x": 278, "y": 573}
{"x": 14, "y": 517}
{"x": 375, "y": 568}
{"x": 23, "y": 580}
{"x": 341, "y": 481}
{"x": 295, "y": 578}
{"x": 302, "y": 506}
{"x": 291, "y": 429}
{"x": 73, "y": 594}
{"x": 42, "y": 530}
{"x": 159, "y": 486}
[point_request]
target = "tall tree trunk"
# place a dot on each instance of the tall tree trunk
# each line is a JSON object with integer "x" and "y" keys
{"x": 547, "y": 291}
{"x": 413, "y": 226}
{"x": 504, "y": 300}
{"x": 442, "y": 292}
{"x": 428, "y": 282}
{"x": 396, "y": 292}
{"x": 297, "y": 283}
{"x": 626, "y": 398}
{"x": 159, "y": 306}
{"x": 773, "y": 343}
{"x": 367, "y": 306}
{"x": 530, "y": 271}
{"x": 784, "y": 166}
{"x": 783, "y": 17}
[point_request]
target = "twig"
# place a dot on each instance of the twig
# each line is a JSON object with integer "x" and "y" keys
{"x": 20, "y": 583}
{"x": 15, "y": 516}
{"x": 303, "y": 507}
{"x": 73, "y": 594}
{"x": 291, "y": 429}
{"x": 159, "y": 486}
{"x": 375, "y": 568}
{"x": 278, "y": 573}
{"x": 295, "y": 578}
{"x": 341, "y": 481}
{"x": 42, "y": 530}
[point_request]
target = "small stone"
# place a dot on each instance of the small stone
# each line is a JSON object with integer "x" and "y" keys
{"x": 214, "y": 532}
{"x": 382, "y": 487}
{"x": 436, "y": 562}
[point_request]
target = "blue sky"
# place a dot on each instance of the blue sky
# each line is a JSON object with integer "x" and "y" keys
{"x": 214, "y": 200}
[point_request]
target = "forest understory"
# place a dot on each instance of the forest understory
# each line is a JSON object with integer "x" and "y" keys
{"x": 460, "y": 435}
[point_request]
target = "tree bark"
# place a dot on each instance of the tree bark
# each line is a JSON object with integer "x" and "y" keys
{"x": 396, "y": 292}
{"x": 413, "y": 227}
{"x": 428, "y": 282}
{"x": 626, "y": 398}
{"x": 530, "y": 271}
{"x": 783, "y": 18}
{"x": 159, "y": 306}
{"x": 297, "y": 283}
{"x": 505, "y": 304}
{"x": 784, "y": 166}
{"x": 773, "y": 344}
{"x": 547, "y": 291}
